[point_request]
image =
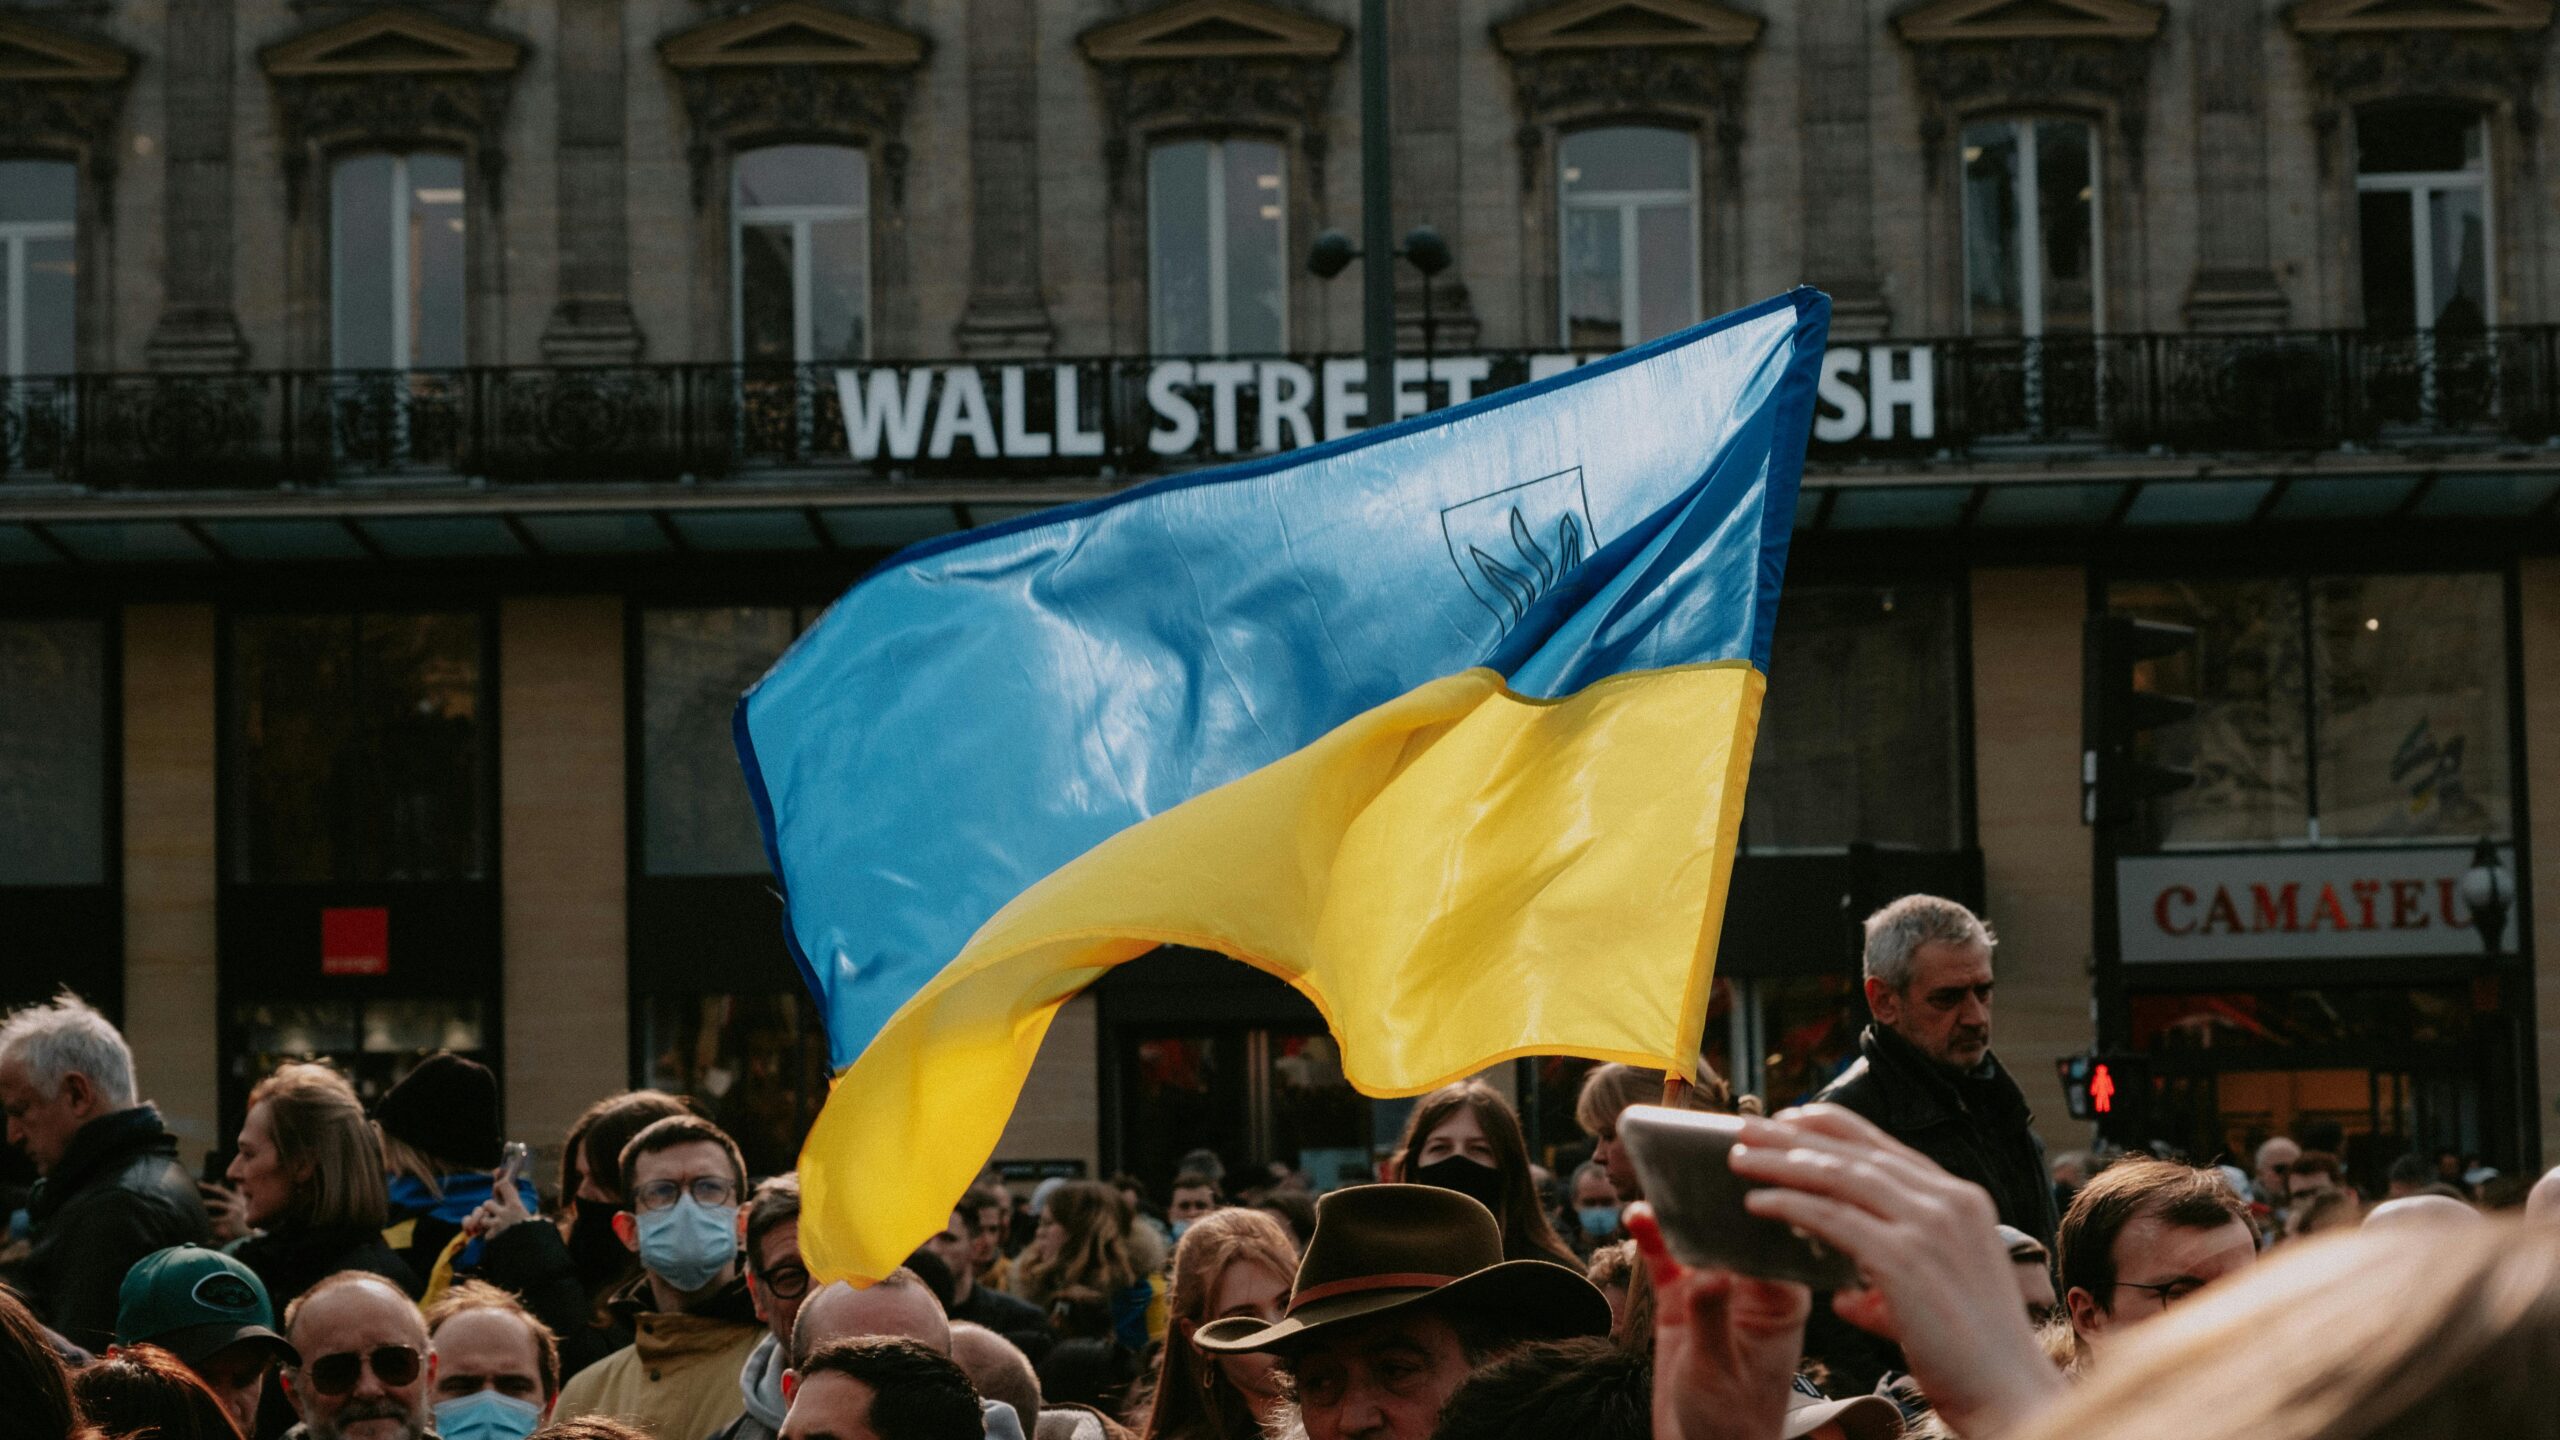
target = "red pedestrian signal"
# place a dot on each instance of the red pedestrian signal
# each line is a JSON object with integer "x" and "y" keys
{"x": 2102, "y": 1089}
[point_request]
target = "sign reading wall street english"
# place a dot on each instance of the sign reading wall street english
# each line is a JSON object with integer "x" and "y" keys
{"x": 2298, "y": 905}
{"x": 1100, "y": 410}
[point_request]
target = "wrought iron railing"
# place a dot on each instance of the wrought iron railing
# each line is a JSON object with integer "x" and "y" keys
{"x": 1968, "y": 399}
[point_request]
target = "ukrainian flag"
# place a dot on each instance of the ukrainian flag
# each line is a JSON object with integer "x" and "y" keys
{"x": 1446, "y": 724}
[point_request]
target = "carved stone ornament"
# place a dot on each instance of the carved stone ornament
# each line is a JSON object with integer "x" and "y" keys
{"x": 1216, "y": 62}
{"x": 64, "y": 92}
{"x": 1588, "y": 59}
{"x": 2490, "y": 51}
{"x": 1981, "y": 54}
{"x": 395, "y": 76}
{"x": 796, "y": 68}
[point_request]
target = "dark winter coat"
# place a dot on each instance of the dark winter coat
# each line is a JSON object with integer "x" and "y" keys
{"x": 1976, "y": 1126}
{"x": 291, "y": 1260}
{"x": 117, "y": 1195}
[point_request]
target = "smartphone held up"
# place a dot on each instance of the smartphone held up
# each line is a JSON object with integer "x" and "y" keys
{"x": 1684, "y": 1158}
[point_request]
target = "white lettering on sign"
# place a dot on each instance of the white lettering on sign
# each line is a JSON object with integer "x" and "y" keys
{"x": 2298, "y": 905}
{"x": 1869, "y": 392}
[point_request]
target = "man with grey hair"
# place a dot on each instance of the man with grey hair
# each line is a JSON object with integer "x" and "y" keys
{"x": 1925, "y": 1072}
{"x": 112, "y": 1189}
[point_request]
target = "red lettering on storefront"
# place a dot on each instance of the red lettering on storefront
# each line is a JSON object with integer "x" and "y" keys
{"x": 2448, "y": 906}
{"x": 2160, "y": 909}
{"x": 2328, "y": 908}
{"x": 2223, "y": 917}
{"x": 2367, "y": 891}
{"x": 2408, "y": 904}
{"x": 2269, "y": 917}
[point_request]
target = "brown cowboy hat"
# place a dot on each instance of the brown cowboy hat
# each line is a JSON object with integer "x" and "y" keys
{"x": 1385, "y": 1247}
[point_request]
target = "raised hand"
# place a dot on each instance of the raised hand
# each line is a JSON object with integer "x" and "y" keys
{"x": 1725, "y": 1346}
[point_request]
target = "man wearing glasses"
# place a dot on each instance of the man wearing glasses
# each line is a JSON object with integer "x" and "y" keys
{"x": 365, "y": 1370}
{"x": 2143, "y": 1236}
{"x": 693, "y": 1321}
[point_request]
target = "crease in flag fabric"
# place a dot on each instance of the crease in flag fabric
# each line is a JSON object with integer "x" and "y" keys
{"x": 1445, "y": 724}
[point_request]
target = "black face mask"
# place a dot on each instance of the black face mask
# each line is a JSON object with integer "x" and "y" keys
{"x": 1472, "y": 1178}
{"x": 599, "y": 1254}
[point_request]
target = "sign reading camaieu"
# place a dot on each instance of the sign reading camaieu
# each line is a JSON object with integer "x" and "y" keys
{"x": 1138, "y": 414}
{"x": 2298, "y": 905}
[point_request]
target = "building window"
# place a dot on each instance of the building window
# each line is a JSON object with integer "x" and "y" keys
{"x": 755, "y": 1063}
{"x": 53, "y": 759}
{"x": 2031, "y": 228}
{"x": 2422, "y": 203}
{"x": 801, "y": 242}
{"x": 1859, "y": 738}
{"x": 2338, "y": 708}
{"x": 357, "y": 748}
{"x": 697, "y": 818}
{"x": 1217, "y": 243}
{"x": 1629, "y": 201}
{"x": 37, "y": 271}
{"x": 395, "y": 262}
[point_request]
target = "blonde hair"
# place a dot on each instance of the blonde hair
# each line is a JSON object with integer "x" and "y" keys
{"x": 2415, "y": 1336}
{"x": 320, "y": 1129}
{"x": 1610, "y": 1088}
{"x": 1192, "y": 1396}
{"x": 399, "y": 1157}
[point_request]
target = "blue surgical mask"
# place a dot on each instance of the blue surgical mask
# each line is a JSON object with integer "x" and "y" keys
{"x": 1598, "y": 1221}
{"x": 689, "y": 1244}
{"x": 1179, "y": 1226}
{"x": 487, "y": 1415}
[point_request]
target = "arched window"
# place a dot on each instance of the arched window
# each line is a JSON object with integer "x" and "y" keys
{"x": 801, "y": 247}
{"x": 37, "y": 272}
{"x": 2031, "y": 252}
{"x": 1629, "y": 201}
{"x": 396, "y": 286}
{"x": 2422, "y": 204}
{"x": 1217, "y": 247}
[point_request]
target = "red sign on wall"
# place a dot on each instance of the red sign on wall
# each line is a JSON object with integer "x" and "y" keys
{"x": 355, "y": 940}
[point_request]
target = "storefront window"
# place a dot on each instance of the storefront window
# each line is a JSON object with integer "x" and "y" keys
{"x": 53, "y": 761}
{"x": 1858, "y": 739}
{"x": 1808, "y": 1034}
{"x": 757, "y": 1064}
{"x": 1217, "y": 241}
{"x": 357, "y": 751}
{"x": 373, "y": 1042}
{"x": 694, "y": 664}
{"x": 1629, "y": 217}
{"x": 2338, "y": 708}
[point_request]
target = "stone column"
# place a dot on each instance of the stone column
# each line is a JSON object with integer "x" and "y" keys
{"x": 1059, "y": 1115}
{"x": 1006, "y": 314}
{"x": 1839, "y": 161}
{"x": 592, "y": 324}
{"x": 2538, "y": 581}
{"x": 563, "y": 914}
{"x": 197, "y": 330}
{"x": 171, "y": 1000}
{"x": 2035, "y": 855}
{"x": 1427, "y": 41}
{"x": 2235, "y": 288}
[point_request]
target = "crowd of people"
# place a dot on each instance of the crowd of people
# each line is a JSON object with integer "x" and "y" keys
{"x": 390, "y": 1273}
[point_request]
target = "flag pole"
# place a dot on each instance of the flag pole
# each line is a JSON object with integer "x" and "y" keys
{"x": 1675, "y": 1091}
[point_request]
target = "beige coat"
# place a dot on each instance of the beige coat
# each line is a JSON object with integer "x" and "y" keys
{"x": 678, "y": 1379}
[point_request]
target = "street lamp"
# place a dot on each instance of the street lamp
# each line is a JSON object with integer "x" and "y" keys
{"x": 2489, "y": 892}
{"x": 1423, "y": 249}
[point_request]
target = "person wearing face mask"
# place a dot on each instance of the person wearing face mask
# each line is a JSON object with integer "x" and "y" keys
{"x": 1595, "y": 1207}
{"x": 1466, "y": 1137}
{"x": 497, "y": 1367}
{"x": 693, "y": 1321}
{"x": 1194, "y": 1195}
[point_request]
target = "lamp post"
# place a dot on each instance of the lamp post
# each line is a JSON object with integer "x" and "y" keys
{"x": 2488, "y": 891}
{"x": 1425, "y": 251}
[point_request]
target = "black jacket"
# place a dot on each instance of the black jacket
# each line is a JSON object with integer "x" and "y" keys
{"x": 1977, "y": 1127}
{"x": 290, "y": 1261}
{"x": 117, "y": 1195}
{"x": 1016, "y": 1319}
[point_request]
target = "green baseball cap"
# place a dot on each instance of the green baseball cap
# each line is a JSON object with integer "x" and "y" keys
{"x": 191, "y": 1302}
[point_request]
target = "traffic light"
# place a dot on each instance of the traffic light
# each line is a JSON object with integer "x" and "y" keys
{"x": 2112, "y": 1089}
{"x": 2117, "y": 709}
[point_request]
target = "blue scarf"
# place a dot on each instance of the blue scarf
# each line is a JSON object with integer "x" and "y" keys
{"x": 412, "y": 1197}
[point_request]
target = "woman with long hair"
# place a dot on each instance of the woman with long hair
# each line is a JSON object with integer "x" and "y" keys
{"x": 1083, "y": 1244}
{"x": 310, "y": 1178}
{"x": 1466, "y": 1137}
{"x": 32, "y": 1379}
{"x": 1229, "y": 1262}
{"x": 143, "y": 1390}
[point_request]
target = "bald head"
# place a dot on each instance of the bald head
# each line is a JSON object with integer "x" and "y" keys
{"x": 351, "y": 1301}
{"x": 2542, "y": 1202}
{"x": 999, "y": 1369}
{"x": 899, "y": 1305}
{"x": 2411, "y": 1212}
{"x": 2273, "y": 1157}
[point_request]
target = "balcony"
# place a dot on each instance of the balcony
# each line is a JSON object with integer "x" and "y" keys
{"x": 1933, "y": 422}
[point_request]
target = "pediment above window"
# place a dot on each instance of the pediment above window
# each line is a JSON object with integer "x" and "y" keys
{"x": 1942, "y": 22}
{"x": 32, "y": 54}
{"x": 391, "y": 42}
{"x": 1629, "y": 24}
{"x": 793, "y": 32}
{"x": 1214, "y": 30}
{"x": 2347, "y": 17}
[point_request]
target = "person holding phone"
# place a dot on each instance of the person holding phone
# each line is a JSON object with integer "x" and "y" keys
{"x": 441, "y": 1147}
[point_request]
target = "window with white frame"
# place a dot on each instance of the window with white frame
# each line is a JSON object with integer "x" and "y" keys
{"x": 2422, "y": 202}
{"x": 801, "y": 248}
{"x": 1629, "y": 202}
{"x": 396, "y": 286}
{"x": 1217, "y": 247}
{"x": 38, "y": 273}
{"x": 2031, "y": 238}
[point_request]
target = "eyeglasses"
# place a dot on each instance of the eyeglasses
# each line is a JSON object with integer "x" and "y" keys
{"x": 705, "y": 1189}
{"x": 335, "y": 1375}
{"x": 2168, "y": 1294}
{"x": 788, "y": 1283}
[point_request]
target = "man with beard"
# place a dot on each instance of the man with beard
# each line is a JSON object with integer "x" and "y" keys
{"x": 365, "y": 1371}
